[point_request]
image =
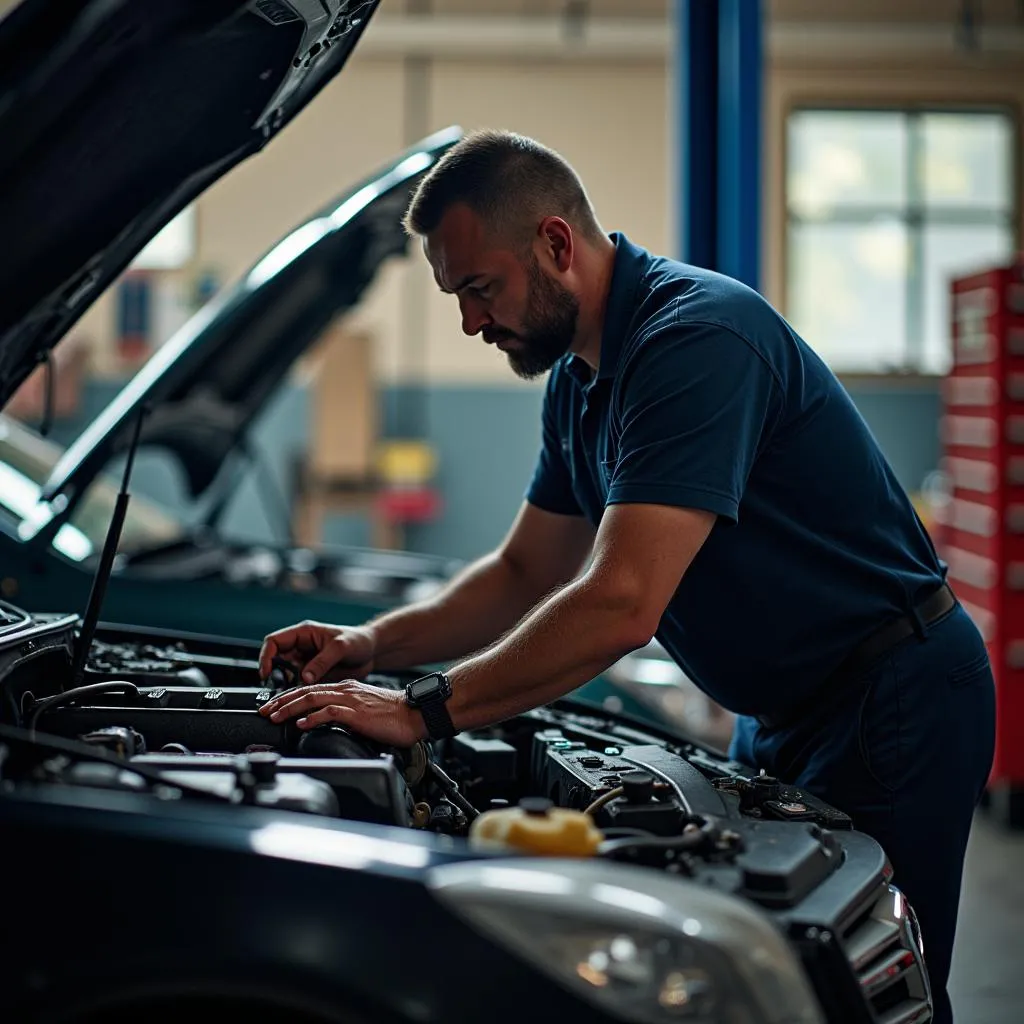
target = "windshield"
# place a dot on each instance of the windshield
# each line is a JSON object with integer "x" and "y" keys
{"x": 26, "y": 459}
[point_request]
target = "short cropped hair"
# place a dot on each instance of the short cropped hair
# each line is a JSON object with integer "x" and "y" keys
{"x": 510, "y": 181}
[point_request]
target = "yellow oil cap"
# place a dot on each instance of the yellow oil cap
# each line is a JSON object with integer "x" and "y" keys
{"x": 536, "y": 826}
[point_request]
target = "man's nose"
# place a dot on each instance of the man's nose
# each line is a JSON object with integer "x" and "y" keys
{"x": 474, "y": 316}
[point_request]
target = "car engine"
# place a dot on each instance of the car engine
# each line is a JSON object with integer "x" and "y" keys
{"x": 178, "y": 719}
{"x": 192, "y": 717}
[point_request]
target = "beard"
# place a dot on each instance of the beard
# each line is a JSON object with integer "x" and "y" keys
{"x": 549, "y": 326}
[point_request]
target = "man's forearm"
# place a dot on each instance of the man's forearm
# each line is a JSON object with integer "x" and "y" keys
{"x": 476, "y": 608}
{"x": 573, "y": 636}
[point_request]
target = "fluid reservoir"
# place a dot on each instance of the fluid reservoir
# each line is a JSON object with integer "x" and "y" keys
{"x": 536, "y": 826}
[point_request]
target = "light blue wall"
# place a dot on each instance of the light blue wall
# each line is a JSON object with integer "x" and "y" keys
{"x": 486, "y": 440}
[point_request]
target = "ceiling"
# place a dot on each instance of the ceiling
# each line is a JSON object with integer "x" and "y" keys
{"x": 925, "y": 11}
{"x": 860, "y": 11}
{"x": 593, "y": 8}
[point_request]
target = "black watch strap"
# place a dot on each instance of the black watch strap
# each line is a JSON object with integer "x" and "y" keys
{"x": 438, "y": 721}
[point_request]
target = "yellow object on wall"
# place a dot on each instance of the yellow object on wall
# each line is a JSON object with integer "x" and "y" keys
{"x": 405, "y": 462}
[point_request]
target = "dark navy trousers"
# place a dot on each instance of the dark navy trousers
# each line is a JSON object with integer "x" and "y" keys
{"x": 907, "y": 756}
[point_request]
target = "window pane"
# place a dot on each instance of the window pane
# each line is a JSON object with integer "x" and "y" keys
{"x": 949, "y": 252}
{"x": 845, "y": 158}
{"x": 966, "y": 161}
{"x": 847, "y": 297}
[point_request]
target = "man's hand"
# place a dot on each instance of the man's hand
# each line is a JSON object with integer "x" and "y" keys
{"x": 322, "y": 652}
{"x": 372, "y": 711}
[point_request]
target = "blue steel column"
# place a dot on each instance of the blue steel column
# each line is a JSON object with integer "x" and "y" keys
{"x": 695, "y": 101}
{"x": 717, "y": 86}
{"x": 740, "y": 91}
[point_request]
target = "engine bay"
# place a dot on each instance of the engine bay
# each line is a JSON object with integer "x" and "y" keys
{"x": 179, "y": 719}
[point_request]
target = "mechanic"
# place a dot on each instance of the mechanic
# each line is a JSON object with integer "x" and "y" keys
{"x": 702, "y": 478}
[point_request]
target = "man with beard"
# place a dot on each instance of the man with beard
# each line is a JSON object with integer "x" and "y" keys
{"x": 704, "y": 478}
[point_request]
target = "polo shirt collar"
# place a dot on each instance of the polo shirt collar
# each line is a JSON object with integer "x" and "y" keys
{"x": 627, "y": 272}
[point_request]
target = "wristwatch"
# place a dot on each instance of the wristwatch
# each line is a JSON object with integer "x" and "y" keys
{"x": 428, "y": 695}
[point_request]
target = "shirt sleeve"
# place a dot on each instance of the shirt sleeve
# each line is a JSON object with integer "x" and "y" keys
{"x": 697, "y": 403}
{"x": 551, "y": 486}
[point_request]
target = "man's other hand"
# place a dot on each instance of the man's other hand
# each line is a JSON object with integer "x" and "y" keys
{"x": 320, "y": 651}
{"x": 375, "y": 712}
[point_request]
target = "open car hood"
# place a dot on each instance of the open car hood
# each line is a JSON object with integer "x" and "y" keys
{"x": 115, "y": 114}
{"x": 206, "y": 384}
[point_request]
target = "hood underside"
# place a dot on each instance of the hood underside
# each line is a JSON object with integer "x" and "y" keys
{"x": 115, "y": 114}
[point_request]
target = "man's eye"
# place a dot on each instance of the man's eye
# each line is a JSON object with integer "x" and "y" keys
{"x": 483, "y": 291}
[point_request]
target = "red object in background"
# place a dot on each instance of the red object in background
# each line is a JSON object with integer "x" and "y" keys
{"x": 982, "y": 529}
{"x": 409, "y": 505}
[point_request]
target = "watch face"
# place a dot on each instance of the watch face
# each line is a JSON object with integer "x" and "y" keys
{"x": 423, "y": 688}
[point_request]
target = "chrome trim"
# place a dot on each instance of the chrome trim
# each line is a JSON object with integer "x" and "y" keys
{"x": 884, "y": 950}
{"x": 871, "y": 940}
{"x": 908, "y": 1013}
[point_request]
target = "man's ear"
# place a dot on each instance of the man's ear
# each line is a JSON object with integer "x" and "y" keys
{"x": 556, "y": 237}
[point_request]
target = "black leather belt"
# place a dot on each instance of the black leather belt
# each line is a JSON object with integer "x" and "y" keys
{"x": 862, "y": 657}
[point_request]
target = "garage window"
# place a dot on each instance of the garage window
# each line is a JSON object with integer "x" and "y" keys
{"x": 883, "y": 208}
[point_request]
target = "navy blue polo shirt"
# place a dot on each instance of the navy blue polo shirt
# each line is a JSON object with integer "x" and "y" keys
{"x": 706, "y": 398}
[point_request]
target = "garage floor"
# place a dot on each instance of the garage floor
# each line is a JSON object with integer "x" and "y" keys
{"x": 987, "y": 983}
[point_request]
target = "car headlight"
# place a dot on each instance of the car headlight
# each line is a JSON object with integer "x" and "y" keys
{"x": 641, "y": 945}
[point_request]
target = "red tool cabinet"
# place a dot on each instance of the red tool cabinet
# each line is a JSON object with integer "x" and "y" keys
{"x": 980, "y": 533}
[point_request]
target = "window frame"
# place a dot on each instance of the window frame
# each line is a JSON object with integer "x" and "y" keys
{"x": 919, "y": 107}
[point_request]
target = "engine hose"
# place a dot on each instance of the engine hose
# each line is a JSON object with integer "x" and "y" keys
{"x": 73, "y": 694}
{"x": 607, "y": 798}
{"x": 451, "y": 790}
{"x": 696, "y": 833}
